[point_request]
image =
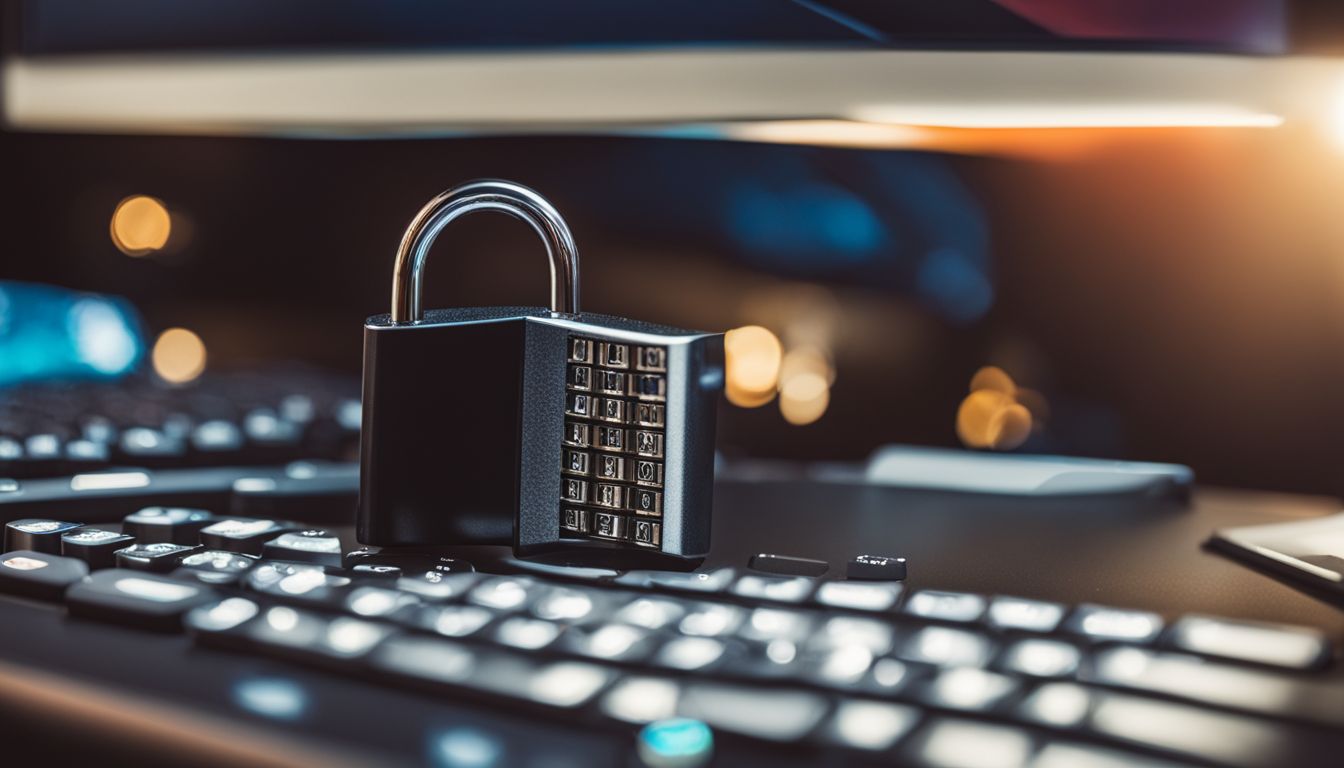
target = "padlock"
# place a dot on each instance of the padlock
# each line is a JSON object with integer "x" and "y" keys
{"x": 572, "y": 437}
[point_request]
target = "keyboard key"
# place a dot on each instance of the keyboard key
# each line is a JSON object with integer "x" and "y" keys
{"x": 1274, "y": 645}
{"x": 887, "y": 677}
{"x": 1016, "y": 613}
{"x": 526, "y": 634}
{"x": 504, "y": 593}
{"x": 177, "y": 525}
{"x": 308, "y": 546}
{"x": 39, "y": 575}
{"x": 241, "y": 535}
{"x": 565, "y": 604}
{"x": 1086, "y": 756}
{"x": 780, "y": 589}
{"x": 365, "y": 570}
{"x": 968, "y": 688}
{"x": 310, "y": 585}
{"x": 1207, "y": 735}
{"x": 135, "y": 598}
{"x": 691, "y": 654}
{"x": 437, "y": 586}
{"x": 610, "y": 642}
{"x": 775, "y": 714}
{"x": 858, "y": 595}
{"x": 214, "y": 566}
{"x": 711, "y": 620}
{"x": 1220, "y": 685}
{"x": 876, "y": 568}
{"x": 679, "y": 742}
{"x": 1100, "y": 623}
{"x": 220, "y": 616}
{"x": 842, "y": 666}
{"x": 96, "y": 547}
{"x": 1041, "y": 658}
{"x": 160, "y": 557}
{"x": 869, "y": 725}
{"x": 704, "y": 581}
{"x": 568, "y": 684}
{"x": 651, "y": 612}
{"x": 876, "y": 636}
{"x": 449, "y": 620}
{"x": 945, "y": 606}
{"x": 785, "y": 565}
{"x": 311, "y": 493}
{"x": 1059, "y": 705}
{"x": 36, "y": 535}
{"x": 948, "y": 743}
{"x": 947, "y": 647}
{"x": 641, "y": 699}
{"x": 766, "y": 624}
{"x": 408, "y": 562}
{"x": 378, "y": 602}
{"x": 308, "y": 636}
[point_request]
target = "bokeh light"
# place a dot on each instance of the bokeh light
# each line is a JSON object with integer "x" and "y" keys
{"x": 179, "y": 356}
{"x": 752, "y": 360}
{"x": 803, "y": 398}
{"x": 140, "y": 225}
{"x": 992, "y": 417}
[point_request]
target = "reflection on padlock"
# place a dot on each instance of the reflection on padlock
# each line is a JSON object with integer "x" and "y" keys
{"x": 584, "y": 438}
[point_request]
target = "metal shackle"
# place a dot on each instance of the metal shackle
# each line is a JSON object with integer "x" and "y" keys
{"x": 484, "y": 195}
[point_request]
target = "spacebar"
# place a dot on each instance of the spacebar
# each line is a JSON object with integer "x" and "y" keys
{"x": 109, "y": 496}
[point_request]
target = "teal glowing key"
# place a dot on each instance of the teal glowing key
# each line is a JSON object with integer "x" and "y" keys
{"x": 675, "y": 743}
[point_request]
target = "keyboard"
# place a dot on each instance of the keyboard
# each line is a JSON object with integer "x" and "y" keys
{"x": 229, "y": 418}
{"x": 835, "y": 669}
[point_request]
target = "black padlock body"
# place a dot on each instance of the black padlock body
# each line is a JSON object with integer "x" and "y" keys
{"x": 464, "y": 433}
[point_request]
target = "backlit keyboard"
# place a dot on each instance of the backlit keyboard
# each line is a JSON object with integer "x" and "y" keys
{"x": 831, "y": 669}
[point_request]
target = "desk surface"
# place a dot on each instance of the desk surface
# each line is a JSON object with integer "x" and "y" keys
{"x": 1123, "y": 553}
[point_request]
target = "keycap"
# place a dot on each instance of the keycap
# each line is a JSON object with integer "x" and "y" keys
{"x": 526, "y": 634}
{"x": 947, "y": 647}
{"x": 1276, "y": 645}
{"x": 312, "y": 545}
{"x": 610, "y": 642}
{"x": 1221, "y": 685}
{"x": 876, "y": 568}
{"x": 876, "y": 636}
{"x": 711, "y": 619}
{"x": 1039, "y": 657}
{"x": 377, "y": 602}
{"x": 364, "y": 570}
{"x": 766, "y": 624}
{"x": 1059, "y": 705}
{"x": 178, "y": 525}
{"x": 142, "y": 446}
{"x": 135, "y": 598}
{"x": 691, "y": 654}
{"x": 635, "y": 699}
{"x": 869, "y": 725}
{"x": 858, "y": 595}
{"x": 449, "y": 620}
{"x": 1016, "y": 613}
{"x": 945, "y": 606}
{"x": 160, "y": 557}
{"x": 37, "y": 535}
{"x": 308, "y": 636}
{"x": 503, "y": 593}
{"x": 96, "y": 547}
{"x": 1208, "y": 735}
{"x": 567, "y": 604}
{"x": 39, "y": 575}
{"x": 968, "y": 688}
{"x": 774, "y": 714}
{"x": 242, "y": 535}
{"x": 651, "y": 612}
{"x": 220, "y": 616}
{"x": 1065, "y": 755}
{"x": 703, "y": 581}
{"x": 303, "y": 583}
{"x": 408, "y": 562}
{"x": 780, "y": 589}
{"x": 786, "y": 565}
{"x": 841, "y": 666}
{"x": 438, "y": 586}
{"x": 214, "y": 566}
{"x": 679, "y": 742}
{"x": 312, "y": 494}
{"x": 1100, "y": 623}
{"x": 953, "y": 743}
{"x": 216, "y": 436}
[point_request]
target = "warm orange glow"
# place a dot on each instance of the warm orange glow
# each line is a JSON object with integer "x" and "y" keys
{"x": 752, "y": 359}
{"x": 140, "y": 225}
{"x": 804, "y": 397}
{"x": 179, "y": 356}
{"x": 802, "y": 360}
{"x": 992, "y": 416}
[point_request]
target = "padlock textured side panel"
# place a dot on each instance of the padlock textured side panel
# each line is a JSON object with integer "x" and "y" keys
{"x": 439, "y": 451}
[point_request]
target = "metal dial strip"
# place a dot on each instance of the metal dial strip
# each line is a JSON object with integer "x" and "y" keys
{"x": 611, "y": 484}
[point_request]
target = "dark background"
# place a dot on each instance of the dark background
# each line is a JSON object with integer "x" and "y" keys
{"x": 1174, "y": 294}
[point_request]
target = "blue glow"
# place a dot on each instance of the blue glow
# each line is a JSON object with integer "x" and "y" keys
{"x": 957, "y": 284}
{"x": 466, "y": 748}
{"x": 806, "y": 226}
{"x": 51, "y": 333}
{"x": 273, "y": 697}
{"x": 679, "y": 741}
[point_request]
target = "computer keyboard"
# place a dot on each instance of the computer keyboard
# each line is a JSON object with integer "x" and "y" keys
{"x": 836, "y": 669}
{"x": 228, "y": 418}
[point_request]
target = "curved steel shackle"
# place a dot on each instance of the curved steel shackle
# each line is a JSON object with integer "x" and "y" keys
{"x": 484, "y": 195}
